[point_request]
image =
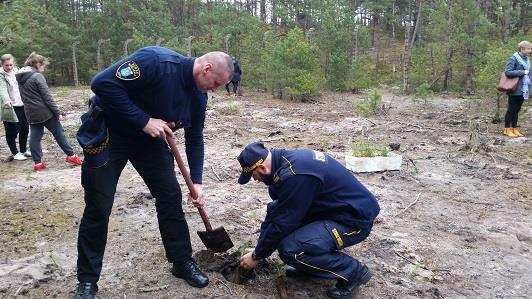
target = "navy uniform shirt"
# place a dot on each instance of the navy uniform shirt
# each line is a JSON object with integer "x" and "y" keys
{"x": 154, "y": 82}
{"x": 309, "y": 186}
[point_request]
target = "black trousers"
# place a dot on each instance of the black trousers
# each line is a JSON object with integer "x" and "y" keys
{"x": 235, "y": 86}
{"x": 514, "y": 105}
{"x": 154, "y": 162}
{"x": 21, "y": 128}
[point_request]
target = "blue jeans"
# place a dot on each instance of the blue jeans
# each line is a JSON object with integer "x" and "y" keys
{"x": 316, "y": 249}
{"x": 37, "y": 130}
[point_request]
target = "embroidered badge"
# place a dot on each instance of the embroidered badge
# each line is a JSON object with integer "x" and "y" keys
{"x": 129, "y": 70}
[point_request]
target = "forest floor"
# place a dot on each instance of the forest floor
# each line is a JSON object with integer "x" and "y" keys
{"x": 453, "y": 223}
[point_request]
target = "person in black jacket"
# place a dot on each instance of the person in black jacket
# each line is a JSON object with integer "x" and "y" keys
{"x": 517, "y": 66}
{"x": 318, "y": 209}
{"x": 139, "y": 96}
{"x": 237, "y": 75}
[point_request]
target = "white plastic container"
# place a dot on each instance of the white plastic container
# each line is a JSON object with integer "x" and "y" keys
{"x": 373, "y": 164}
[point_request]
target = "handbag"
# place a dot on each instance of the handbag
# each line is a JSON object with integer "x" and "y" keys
{"x": 507, "y": 83}
{"x": 8, "y": 114}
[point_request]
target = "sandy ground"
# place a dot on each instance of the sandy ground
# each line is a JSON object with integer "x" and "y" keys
{"x": 453, "y": 224}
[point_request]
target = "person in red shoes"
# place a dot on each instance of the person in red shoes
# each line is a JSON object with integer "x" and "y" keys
{"x": 41, "y": 110}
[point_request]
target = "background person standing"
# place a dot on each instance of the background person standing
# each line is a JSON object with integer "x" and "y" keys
{"x": 517, "y": 66}
{"x": 10, "y": 96}
{"x": 237, "y": 74}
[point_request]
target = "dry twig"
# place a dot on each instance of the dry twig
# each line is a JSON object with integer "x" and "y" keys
{"x": 410, "y": 204}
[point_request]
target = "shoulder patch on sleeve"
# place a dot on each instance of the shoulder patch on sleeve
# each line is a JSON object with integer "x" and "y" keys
{"x": 128, "y": 70}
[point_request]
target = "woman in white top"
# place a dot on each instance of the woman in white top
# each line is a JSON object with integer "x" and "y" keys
{"x": 13, "y": 99}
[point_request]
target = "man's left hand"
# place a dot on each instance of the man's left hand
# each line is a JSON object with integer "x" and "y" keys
{"x": 247, "y": 261}
{"x": 200, "y": 201}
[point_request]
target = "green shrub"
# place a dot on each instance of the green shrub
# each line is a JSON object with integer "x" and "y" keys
{"x": 423, "y": 93}
{"x": 371, "y": 105}
{"x": 366, "y": 149}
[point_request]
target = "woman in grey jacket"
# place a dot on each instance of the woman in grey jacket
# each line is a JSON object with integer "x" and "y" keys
{"x": 517, "y": 66}
{"x": 41, "y": 110}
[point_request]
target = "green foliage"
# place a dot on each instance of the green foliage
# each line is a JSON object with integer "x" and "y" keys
{"x": 423, "y": 93}
{"x": 371, "y": 105}
{"x": 366, "y": 149}
{"x": 293, "y": 65}
{"x": 360, "y": 76}
{"x": 243, "y": 246}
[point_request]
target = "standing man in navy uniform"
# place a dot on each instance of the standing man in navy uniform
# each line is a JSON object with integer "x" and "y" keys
{"x": 138, "y": 97}
{"x": 318, "y": 209}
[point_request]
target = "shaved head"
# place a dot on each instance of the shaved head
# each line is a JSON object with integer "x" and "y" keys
{"x": 212, "y": 70}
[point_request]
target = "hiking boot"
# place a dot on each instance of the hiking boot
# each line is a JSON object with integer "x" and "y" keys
{"x": 514, "y": 130}
{"x": 27, "y": 154}
{"x": 74, "y": 160}
{"x": 509, "y": 132}
{"x": 39, "y": 166}
{"x": 190, "y": 272}
{"x": 86, "y": 290}
{"x": 346, "y": 289}
{"x": 19, "y": 157}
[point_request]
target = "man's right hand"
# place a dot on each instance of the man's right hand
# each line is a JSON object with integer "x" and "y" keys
{"x": 156, "y": 128}
{"x": 8, "y": 104}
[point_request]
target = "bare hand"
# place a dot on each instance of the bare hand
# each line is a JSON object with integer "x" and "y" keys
{"x": 247, "y": 261}
{"x": 200, "y": 201}
{"x": 157, "y": 128}
{"x": 60, "y": 117}
{"x": 8, "y": 104}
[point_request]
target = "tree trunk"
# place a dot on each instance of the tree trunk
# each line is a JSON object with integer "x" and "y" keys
{"x": 75, "y": 64}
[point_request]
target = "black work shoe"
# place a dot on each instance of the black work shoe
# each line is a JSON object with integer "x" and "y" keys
{"x": 346, "y": 289}
{"x": 190, "y": 272}
{"x": 293, "y": 272}
{"x": 86, "y": 290}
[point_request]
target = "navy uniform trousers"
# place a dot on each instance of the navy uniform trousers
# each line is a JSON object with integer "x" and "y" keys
{"x": 154, "y": 162}
{"x": 315, "y": 249}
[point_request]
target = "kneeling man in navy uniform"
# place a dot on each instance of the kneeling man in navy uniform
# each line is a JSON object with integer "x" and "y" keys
{"x": 318, "y": 209}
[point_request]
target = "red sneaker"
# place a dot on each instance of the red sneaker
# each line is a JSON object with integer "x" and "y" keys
{"x": 74, "y": 160}
{"x": 39, "y": 166}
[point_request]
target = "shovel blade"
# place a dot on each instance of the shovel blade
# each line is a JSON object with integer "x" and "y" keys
{"x": 216, "y": 240}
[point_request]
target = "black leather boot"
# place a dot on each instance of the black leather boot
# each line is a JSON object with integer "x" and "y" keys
{"x": 346, "y": 289}
{"x": 86, "y": 290}
{"x": 295, "y": 273}
{"x": 190, "y": 272}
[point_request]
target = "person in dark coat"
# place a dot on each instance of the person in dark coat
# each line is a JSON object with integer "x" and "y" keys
{"x": 237, "y": 75}
{"x": 318, "y": 209}
{"x": 517, "y": 66}
{"x": 41, "y": 111}
{"x": 139, "y": 97}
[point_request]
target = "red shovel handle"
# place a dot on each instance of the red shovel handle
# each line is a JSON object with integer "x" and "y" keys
{"x": 184, "y": 171}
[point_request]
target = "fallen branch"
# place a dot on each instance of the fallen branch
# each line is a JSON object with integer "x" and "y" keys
{"x": 410, "y": 204}
{"x": 418, "y": 264}
{"x": 153, "y": 289}
{"x": 214, "y": 171}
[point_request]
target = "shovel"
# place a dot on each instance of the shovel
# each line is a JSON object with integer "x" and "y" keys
{"x": 216, "y": 240}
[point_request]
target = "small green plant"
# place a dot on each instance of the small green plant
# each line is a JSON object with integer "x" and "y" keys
{"x": 254, "y": 214}
{"x": 243, "y": 246}
{"x": 277, "y": 269}
{"x": 366, "y": 149}
{"x": 371, "y": 105}
{"x": 231, "y": 109}
{"x": 423, "y": 93}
